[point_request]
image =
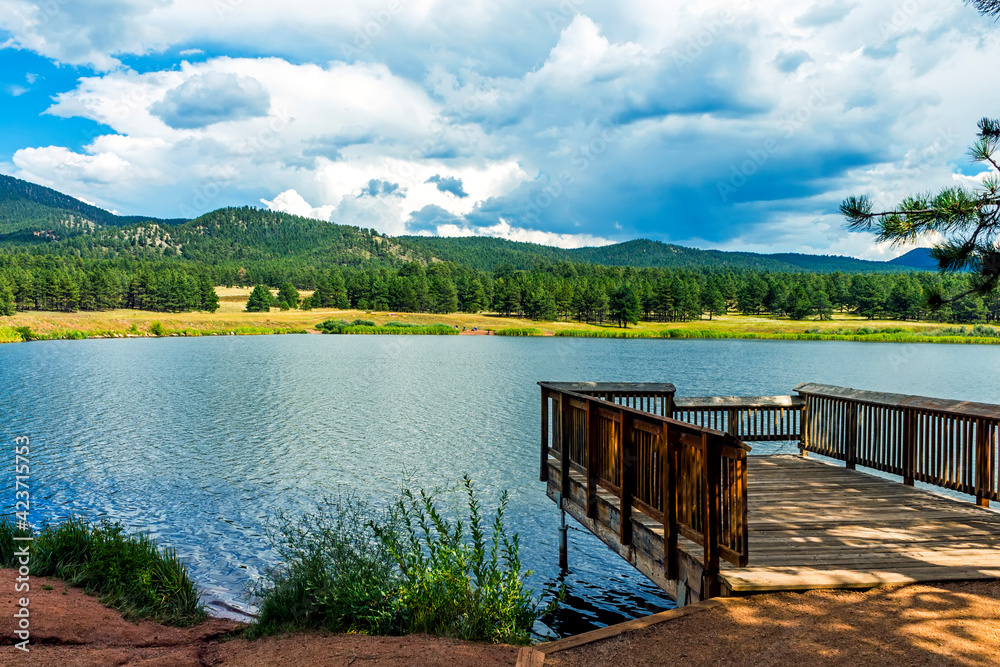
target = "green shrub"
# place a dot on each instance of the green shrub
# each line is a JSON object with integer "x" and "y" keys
{"x": 127, "y": 572}
{"x": 351, "y": 567}
{"x": 363, "y": 323}
{"x": 157, "y": 329}
{"x": 26, "y": 333}
{"x": 462, "y": 580}
{"x": 985, "y": 331}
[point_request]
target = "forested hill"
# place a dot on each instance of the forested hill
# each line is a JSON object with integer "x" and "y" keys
{"x": 487, "y": 254}
{"x": 29, "y": 207}
{"x": 40, "y": 220}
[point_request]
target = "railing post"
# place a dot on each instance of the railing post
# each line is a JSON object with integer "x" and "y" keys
{"x": 732, "y": 422}
{"x": 564, "y": 428}
{"x": 627, "y": 488}
{"x": 909, "y": 445}
{"x": 804, "y": 432}
{"x": 984, "y": 461}
{"x": 543, "y": 474}
{"x": 593, "y": 470}
{"x": 669, "y": 488}
{"x": 851, "y": 444}
{"x": 710, "y": 495}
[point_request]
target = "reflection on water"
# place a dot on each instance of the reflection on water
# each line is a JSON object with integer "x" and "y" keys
{"x": 200, "y": 441}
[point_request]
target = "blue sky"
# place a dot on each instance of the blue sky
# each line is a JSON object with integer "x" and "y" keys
{"x": 732, "y": 125}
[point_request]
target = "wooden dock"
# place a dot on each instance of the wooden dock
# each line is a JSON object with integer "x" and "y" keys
{"x": 786, "y": 522}
{"x": 816, "y": 525}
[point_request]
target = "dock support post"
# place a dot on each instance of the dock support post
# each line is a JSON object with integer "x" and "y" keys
{"x": 543, "y": 474}
{"x": 563, "y": 542}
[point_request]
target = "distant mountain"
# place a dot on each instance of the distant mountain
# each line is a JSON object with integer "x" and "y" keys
{"x": 42, "y": 220}
{"x": 918, "y": 258}
{"x": 488, "y": 253}
{"x": 27, "y": 208}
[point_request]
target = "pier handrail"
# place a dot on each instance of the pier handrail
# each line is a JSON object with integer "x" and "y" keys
{"x": 691, "y": 478}
{"x": 749, "y": 418}
{"x": 945, "y": 443}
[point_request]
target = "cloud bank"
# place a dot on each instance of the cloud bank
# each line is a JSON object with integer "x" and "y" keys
{"x": 720, "y": 124}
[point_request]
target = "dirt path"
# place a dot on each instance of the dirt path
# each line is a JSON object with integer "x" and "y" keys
{"x": 946, "y": 624}
{"x": 69, "y": 628}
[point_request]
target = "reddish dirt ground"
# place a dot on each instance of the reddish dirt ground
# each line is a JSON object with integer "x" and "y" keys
{"x": 71, "y": 629}
{"x": 941, "y": 624}
{"x": 945, "y": 624}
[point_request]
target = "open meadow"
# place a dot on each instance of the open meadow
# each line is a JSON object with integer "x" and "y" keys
{"x": 232, "y": 318}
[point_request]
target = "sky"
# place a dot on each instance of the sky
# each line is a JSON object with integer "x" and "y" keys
{"x": 730, "y": 125}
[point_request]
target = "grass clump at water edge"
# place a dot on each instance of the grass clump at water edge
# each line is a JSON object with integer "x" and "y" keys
{"x": 126, "y": 571}
{"x": 518, "y": 331}
{"x": 409, "y": 568}
{"x": 368, "y": 327}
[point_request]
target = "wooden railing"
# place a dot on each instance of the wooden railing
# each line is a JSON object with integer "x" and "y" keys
{"x": 951, "y": 444}
{"x": 690, "y": 478}
{"x": 749, "y": 418}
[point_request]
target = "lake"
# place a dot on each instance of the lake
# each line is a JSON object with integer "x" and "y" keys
{"x": 200, "y": 441}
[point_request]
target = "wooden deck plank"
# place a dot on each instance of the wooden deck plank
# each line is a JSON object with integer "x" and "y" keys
{"x": 816, "y": 525}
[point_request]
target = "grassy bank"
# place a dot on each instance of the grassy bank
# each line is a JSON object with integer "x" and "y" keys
{"x": 231, "y": 319}
{"x": 127, "y": 572}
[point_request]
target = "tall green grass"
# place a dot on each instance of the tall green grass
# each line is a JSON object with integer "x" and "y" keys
{"x": 864, "y": 335}
{"x": 518, "y": 331}
{"x": 608, "y": 333}
{"x": 126, "y": 571}
{"x": 389, "y": 328}
{"x": 410, "y": 568}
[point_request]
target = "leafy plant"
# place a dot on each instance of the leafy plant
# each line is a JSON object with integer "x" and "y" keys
{"x": 352, "y": 567}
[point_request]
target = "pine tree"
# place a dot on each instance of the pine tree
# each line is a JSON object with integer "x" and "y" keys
{"x": 624, "y": 306}
{"x": 209, "y": 297}
{"x": 288, "y": 295}
{"x": 6, "y": 298}
{"x": 712, "y": 301}
{"x": 969, "y": 221}
{"x": 260, "y": 300}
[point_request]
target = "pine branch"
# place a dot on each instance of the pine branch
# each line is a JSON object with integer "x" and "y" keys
{"x": 987, "y": 7}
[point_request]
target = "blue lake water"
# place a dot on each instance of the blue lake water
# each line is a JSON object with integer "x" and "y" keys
{"x": 200, "y": 441}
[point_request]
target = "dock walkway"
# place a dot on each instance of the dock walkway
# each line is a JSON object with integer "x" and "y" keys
{"x": 781, "y": 522}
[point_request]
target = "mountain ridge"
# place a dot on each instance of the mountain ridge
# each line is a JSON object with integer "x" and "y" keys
{"x": 39, "y": 219}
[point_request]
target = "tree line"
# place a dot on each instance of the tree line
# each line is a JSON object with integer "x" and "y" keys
{"x": 30, "y": 282}
{"x": 590, "y": 293}
{"x": 584, "y": 292}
